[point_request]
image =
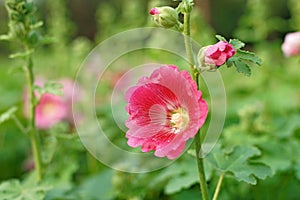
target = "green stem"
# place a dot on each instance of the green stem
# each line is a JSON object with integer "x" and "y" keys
{"x": 34, "y": 137}
{"x": 195, "y": 74}
{"x": 217, "y": 191}
{"x": 187, "y": 41}
{"x": 201, "y": 172}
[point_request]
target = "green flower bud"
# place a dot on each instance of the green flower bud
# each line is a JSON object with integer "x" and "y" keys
{"x": 165, "y": 16}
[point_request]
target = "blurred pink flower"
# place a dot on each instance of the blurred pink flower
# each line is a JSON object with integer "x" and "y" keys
{"x": 165, "y": 110}
{"x": 51, "y": 108}
{"x": 291, "y": 44}
{"x": 219, "y": 53}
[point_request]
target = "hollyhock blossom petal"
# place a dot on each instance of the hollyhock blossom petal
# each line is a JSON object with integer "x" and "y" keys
{"x": 165, "y": 110}
{"x": 218, "y": 61}
{"x": 219, "y": 53}
{"x": 50, "y": 110}
{"x": 291, "y": 44}
{"x": 230, "y": 51}
{"x": 173, "y": 153}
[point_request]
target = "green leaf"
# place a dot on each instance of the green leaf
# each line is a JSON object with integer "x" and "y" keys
{"x": 49, "y": 147}
{"x": 277, "y": 154}
{"x": 221, "y": 38}
{"x": 99, "y": 186}
{"x": 242, "y": 59}
{"x": 53, "y": 87}
{"x": 176, "y": 184}
{"x": 289, "y": 126}
{"x": 248, "y": 56}
{"x": 229, "y": 63}
{"x": 236, "y": 44}
{"x": 180, "y": 175}
{"x": 13, "y": 189}
{"x": 238, "y": 162}
{"x": 7, "y": 114}
{"x": 21, "y": 54}
{"x": 36, "y": 25}
{"x": 50, "y": 87}
{"x": 241, "y": 67}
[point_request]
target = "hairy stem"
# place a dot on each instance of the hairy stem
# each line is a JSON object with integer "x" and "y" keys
{"x": 195, "y": 74}
{"x": 34, "y": 137}
{"x": 217, "y": 191}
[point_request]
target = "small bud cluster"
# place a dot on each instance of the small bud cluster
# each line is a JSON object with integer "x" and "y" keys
{"x": 22, "y": 23}
{"x": 211, "y": 57}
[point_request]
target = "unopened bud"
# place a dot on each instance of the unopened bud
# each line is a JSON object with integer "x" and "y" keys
{"x": 213, "y": 56}
{"x": 165, "y": 16}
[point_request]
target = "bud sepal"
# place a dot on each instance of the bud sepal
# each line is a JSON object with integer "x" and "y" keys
{"x": 166, "y": 17}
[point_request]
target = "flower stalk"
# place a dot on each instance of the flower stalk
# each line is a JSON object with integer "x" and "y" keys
{"x": 217, "y": 191}
{"x": 195, "y": 75}
{"x": 187, "y": 40}
{"x": 34, "y": 137}
{"x": 22, "y": 28}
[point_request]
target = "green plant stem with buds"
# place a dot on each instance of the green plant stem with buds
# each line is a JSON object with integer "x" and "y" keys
{"x": 195, "y": 74}
{"x": 34, "y": 137}
{"x": 22, "y": 28}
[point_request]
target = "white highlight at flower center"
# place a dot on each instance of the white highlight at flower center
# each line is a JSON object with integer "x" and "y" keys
{"x": 179, "y": 120}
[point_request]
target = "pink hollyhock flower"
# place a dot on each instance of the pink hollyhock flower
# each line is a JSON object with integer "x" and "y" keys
{"x": 291, "y": 44}
{"x": 50, "y": 110}
{"x": 219, "y": 53}
{"x": 165, "y": 110}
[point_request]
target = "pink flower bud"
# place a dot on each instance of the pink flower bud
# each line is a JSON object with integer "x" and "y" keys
{"x": 154, "y": 11}
{"x": 291, "y": 44}
{"x": 219, "y": 53}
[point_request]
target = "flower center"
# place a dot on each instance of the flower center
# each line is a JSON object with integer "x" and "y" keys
{"x": 49, "y": 109}
{"x": 179, "y": 120}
